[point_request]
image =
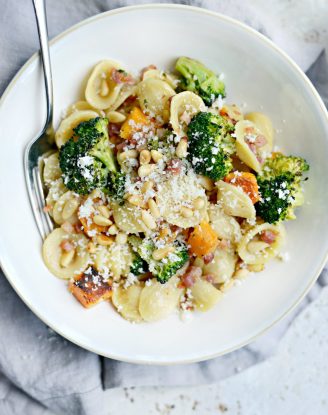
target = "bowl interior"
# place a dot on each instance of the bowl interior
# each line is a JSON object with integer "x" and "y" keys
{"x": 259, "y": 78}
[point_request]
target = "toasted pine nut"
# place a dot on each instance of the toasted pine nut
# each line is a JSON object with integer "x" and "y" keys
{"x": 70, "y": 208}
{"x": 145, "y": 170}
{"x": 135, "y": 200}
{"x": 121, "y": 238}
{"x": 256, "y": 246}
{"x": 186, "y": 212}
{"x": 163, "y": 232}
{"x": 66, "y": 258}
{"x": 206, "y": 182}
{"x": 115, "y": 117}
{"x": 128, "y": 154}
{"x": 255, "y": 267}
{"x": 91, "y": 247}
{"x": 105, "y": 240}
{"x": 104, "y": 89}
{"x": 148, "y": 219}
{"x": 104, "y": 211}
{"x": 181, "y": 150}
{"x": 147, "y": 186}
{"x": 112, "y": 230}
{"x": 241, "y": 273}
{"x": 156, "y": 155}
{"x": 154, "y": 208}
{"x": 144, "y": 157}
{"x": 199, "y": 203}
{"x": 161, "y": 253}
{"x": 101, "y": 220}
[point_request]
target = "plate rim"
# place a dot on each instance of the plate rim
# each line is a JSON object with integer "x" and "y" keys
{"x": 270, "y": 44}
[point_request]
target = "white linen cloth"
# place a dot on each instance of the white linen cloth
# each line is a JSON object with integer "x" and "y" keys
{"x": 38, "y": 368}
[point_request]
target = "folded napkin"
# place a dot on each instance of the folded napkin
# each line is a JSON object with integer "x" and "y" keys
{"x": 41, "y": 371}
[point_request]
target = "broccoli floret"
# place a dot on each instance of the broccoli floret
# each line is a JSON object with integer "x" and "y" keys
{"x": 280, "y": 188}
{"x": 163, "y": 269}
{"x": 199, "y": 79}
{"x": 210, "y": 145}
{"x": 138, "y": 266}
{"x": 87, "y": 161}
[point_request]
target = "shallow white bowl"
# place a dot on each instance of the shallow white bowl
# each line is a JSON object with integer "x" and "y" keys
{"x": 257, "y": 75}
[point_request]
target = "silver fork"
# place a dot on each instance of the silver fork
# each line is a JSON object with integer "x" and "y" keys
{"x": 42, "y": 145}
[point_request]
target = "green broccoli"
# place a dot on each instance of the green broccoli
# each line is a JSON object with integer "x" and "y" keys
{"x": 280, "y": 188}
{"x": 199, "y": 79}
{"x": 210, "y": 145}
{"x": 163, "y": 269}
{"x": 87, "y": 161}
{"x": 138, "y": 266}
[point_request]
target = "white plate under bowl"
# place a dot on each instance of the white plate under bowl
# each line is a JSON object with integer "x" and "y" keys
{"x": 258, "y": 75}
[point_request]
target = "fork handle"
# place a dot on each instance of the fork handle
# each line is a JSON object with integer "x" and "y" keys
{"x": 41, "y": 20}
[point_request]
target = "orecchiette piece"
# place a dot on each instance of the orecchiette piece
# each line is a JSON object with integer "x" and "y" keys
{"x": 56, "y": 190}
{"x": 177, "y": 195}
{"x": 153, "y": 95}
{"x": 102, "y": 91}
{"x": 80, "y": 106}
{"x": 164, "y": 76}
{"x": 158, "y": 300}
{"x": 225, "y": 226}
{"x": 115, "y": 259}
{"x": 128, "y": 218}
{"x": 65, "y": 130}
{"x": 126, "y": 301}
{"x": 232, "y": 112}
{"x": 205, "y": 295}
{"x": 183, "y": 107}
{"x": 253, "y": 250}
{"x": 52, "y": 253}
{"x": 124, "y": 94}
{"x": 51, "y": 170}
{"x": 65, "y": 209}
{"x": 264, "y": 124}
{"x": 234, "y": 201}
{"x": 251, "y": 145}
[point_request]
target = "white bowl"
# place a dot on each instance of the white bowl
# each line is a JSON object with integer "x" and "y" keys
{"x": 258, "y": 75}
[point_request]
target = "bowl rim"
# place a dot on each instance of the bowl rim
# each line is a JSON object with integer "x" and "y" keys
{"x": 268, "y": 43}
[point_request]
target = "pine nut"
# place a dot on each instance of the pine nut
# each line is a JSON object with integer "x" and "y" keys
{"x": 115, "y": 117}
{"x": 70, "y": 208}
{"x": 186, "y": 212}
{"x": 104, "y": 211}
{"x": 105, "y": 240}
{"x": 255, "y": 247}
{"x": 181, "y": 150}
{"x": 101, "y": 220}
{"x": 145, "y": 170}
{"x": 91, "y": 247}
{"x": 154, "y": 208}
{"x": 241, "y": 273}
{"x": 156, "y": 155}
{"x": 148, "y": 219}
{"x": 66, "y": 258}
{"x": 206, "y": 182}
{"x": 147, "y": 186}
{"x": 128, "y": 154}
{"x": 199, "y": 203}
{"x": 104, "y": 89}
{"x": 121, "y": 238}
{"x": 161, "y": 253}
{"x": 136, "y": 200}
{"x": 112, "y": 230}
{"x": 163, "y": 232}
{"x": 144, "y": 157}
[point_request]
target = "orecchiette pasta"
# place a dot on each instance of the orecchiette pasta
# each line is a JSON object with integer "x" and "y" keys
{"x": 205, "y": 295}
{"x": 222, "y": 267}
{"x": 115, "y": 260}
{"x": 183, "y": 107}
{"x": 254, "y": 250}
{"x": 153, "y": 95}
{"x": 128, "y": 218}
{"x": 80, "y": 106}
{"x": 163, "y": 76}
{"x": 126, "y": 301}
{"x": 234, "y": 201}
{"x": 225, "y": 226}
{"x": 65, "y": 209}
{"x": 102, "y": 90}
{"x": 125, "y": 92}
{"x": 53, "y": 253}
{"x": 65, "y": 130}
{"x": 264, "y": 124}
{"x": 51, "y": 170}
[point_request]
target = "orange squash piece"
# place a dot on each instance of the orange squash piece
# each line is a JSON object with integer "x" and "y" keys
{"x": 134, "y": 123}
{"x": 248, "y": 183}
{"x": 202, "y": 240}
